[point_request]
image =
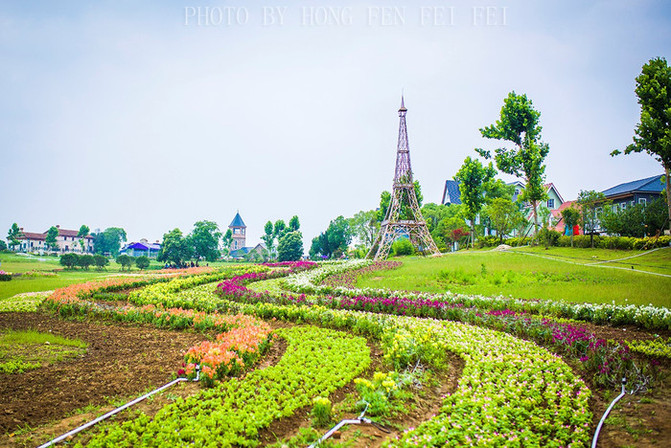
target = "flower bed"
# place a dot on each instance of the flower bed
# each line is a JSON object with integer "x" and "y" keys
{"x": 510, "y": 390}
{"x": 648, "y": 317}
{"x": 230, "y": 354}
{"x": 317, "y": 362}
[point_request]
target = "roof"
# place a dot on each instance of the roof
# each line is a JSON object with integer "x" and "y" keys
{"x": 33, "y": 236}
{"x": 648, "y": 185}
{"x": 241, "y": 252}
{"x": 552, "y": 186}
{"x": 237, "y": 221}
{"x": 451, "y": 193}
{"x": 142, "y": 246}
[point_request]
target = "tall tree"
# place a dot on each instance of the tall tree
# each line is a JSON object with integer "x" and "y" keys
{"x": 13, "y": 236}
{"x": 518, "y": 123}
{"x": 504, "y": 216}
{"x": 290, "y": 247}
{"x": 82, "y": 234}
{"x": 653, "y": 132}
{"x": 109, "y": 241}
{"x": 334, "y": 241}
{"x": 405, "y": 212}
{"x": 51, "y": 240}
{"x": 205, "y": 240}
{"x": 268, "y": 238}
{"x": 590, "y": 202}
{"x": 279, "y": 229}
{"x": 473, "y": 179}
{"x": 226, "y": 241}
{"x": 294, "y": 224}
{"x": 175, "y": 249}
{"x": 365, "y": 227}
{"x": 571, "y": 219}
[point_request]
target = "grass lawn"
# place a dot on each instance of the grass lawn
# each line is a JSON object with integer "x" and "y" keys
{"x": 524, "y": 276}
{"x": 26, "y": 350}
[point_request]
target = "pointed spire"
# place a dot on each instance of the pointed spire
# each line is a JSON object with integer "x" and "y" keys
{"x": 402, "y": 108}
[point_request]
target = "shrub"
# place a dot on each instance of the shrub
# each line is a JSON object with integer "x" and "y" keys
{"x": 402, "y": 246}
{"x": 125, "y": 261}
{"x": 69, "y": 260}
{"x": 5, "y": 276}
{"x": 548, "y": 237}
{"x": 487, "y": 241}
{"x": 100, "y": 261}
{"x": 142, "y": 262}
{"x": 85, "y": 261}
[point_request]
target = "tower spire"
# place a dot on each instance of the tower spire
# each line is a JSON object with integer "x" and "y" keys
{"x": 404, "y": 219}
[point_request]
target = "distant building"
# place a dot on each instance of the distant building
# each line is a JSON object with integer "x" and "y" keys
{"x": 239, "y": 230}
{"x": 66, "y": 240}
{"x": 249, "y": 253}
{"x": 451, "y": 193}
{"x": 141, "y": 248}
{"x": 642, "y": 191}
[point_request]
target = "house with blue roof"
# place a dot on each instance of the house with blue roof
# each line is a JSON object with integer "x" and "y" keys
{"x": 642, "y": 191}
{"x": 141, "y": 248}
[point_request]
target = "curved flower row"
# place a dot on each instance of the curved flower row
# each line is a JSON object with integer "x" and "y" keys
{"x": 644, "y": 316}
{"x": 231, "y": 353}
{"x": 317, "y": 361}
{"x": 510, "y": 390}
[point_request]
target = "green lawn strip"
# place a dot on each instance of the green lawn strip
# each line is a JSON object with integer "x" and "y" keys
{"x": 36, "y": 284}
{"x": 26, "y": 350}
{"x": 522, "y": 276}
{"x": 317, "y": 361}
{"x": 511, "y": 389}
{"x": 24, "y": 302}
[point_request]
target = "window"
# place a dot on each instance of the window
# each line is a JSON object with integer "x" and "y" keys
{"x": 623, "y": 206}
{"x": 551, "y": 203}
{"x": 643, "y": 201}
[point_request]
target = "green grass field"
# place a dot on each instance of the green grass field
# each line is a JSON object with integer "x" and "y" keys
{"x": 526, "y": 276}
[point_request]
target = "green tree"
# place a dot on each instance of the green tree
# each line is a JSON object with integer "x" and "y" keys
{"x": 473, "y": 179}
{"x": 402, "y": 246}
{"x": 405, "y": 211}
{"x": 82, "y": 234}
{"x": 504, "y": 216}
{"x": 51, "y": 240}
{"x": 653, "y": 132}
{"x": 13, "y": 236}
{"x": 334, "y": 241}
{"x": 100, "y": 261}
{"x": 290, "y": 247}
{"x": 3, "y": 246}
{"x": 280, "y": 229}
{"x": 84, "y": 261}
{"x": 571, "y": 218}
{"x": 69, "y": 260}
{"x": 125, "y": 261}
{"x": 268, "y": 238}
{"x": 175, "y": 249}
{"x": 591, "y": 204}
{"x": 226, "y": 241}
{"x": 518, "y": 123}
{"x": 109, "y": 241}
{"x": 142, "y": 262}
{"x": 365, "y": 226}
{"x": 294, "y": 224}
{"x": 205, "y": 239}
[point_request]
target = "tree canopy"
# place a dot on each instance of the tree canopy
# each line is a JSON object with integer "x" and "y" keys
{"x": 109, "y": 241}
{"x": 290, "y": 247}
{"x": 13, "y": 235}
{"x": 175, "y": 249}
{"x": 334, "y": 241}
{"x": 473, "y": 179}
{"x": 519, "y": 123}
{"x": 205, "y": 240}
{"x": 50, "y": 240}
{"x": 653, "y": 132}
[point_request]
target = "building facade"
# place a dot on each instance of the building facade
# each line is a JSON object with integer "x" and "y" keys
{"x": 66, "y": 241}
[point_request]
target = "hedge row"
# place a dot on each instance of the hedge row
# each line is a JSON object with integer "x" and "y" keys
{"x": 583, "y": 241}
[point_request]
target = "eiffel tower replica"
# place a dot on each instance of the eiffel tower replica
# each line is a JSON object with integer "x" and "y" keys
{"x": 403, "y": 221}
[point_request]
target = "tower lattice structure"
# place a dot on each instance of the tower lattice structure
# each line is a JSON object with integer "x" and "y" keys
{"x": 404, "y": 219}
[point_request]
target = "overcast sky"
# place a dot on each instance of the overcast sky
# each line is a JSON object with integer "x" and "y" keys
{"x": 154, "y": 115}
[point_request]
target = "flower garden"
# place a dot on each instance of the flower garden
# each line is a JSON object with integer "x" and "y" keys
{"x": 282, "y": 350}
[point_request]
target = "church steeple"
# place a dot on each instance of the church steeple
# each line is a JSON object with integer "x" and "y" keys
{"x": 239, "y": 230}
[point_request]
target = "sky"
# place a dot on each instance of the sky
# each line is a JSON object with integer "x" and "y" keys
{"x": 151, "y": 116}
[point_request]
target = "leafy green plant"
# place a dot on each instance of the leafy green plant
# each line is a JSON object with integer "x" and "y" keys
{"x": 321, "y": 411}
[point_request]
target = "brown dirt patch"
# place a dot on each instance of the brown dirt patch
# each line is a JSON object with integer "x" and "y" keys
{"x": 120, "y": 360}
